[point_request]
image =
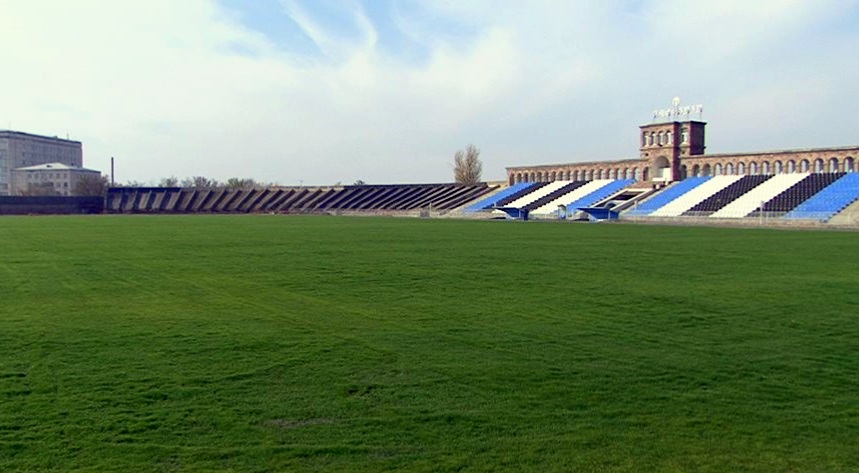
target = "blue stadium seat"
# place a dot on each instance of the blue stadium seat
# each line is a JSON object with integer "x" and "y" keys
{"x": 829, "y": 201}
{"x": 490, "y": 201}
{"x": 667, "y": 195}
{"x": 599, "y": 194}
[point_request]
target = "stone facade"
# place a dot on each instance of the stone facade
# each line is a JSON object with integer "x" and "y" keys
{"x": 19, "y": 150}
{"x": 675, "y": 150}
{"x": 49, "y": 179}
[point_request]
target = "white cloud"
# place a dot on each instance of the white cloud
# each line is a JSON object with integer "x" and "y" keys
{"x": 159, "y": 84}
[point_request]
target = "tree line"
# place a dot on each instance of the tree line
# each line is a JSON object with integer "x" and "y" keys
{"x": 467, "y": 169}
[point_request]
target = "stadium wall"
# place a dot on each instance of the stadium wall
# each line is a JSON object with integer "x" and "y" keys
{"x": 675, "y": 150}
{"x": 14, "y": 205}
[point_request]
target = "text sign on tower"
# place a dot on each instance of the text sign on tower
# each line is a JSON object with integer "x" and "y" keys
{"x": 677, "y": 111}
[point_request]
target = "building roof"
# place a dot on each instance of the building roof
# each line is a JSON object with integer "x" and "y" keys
{"x": 55, "y": 167}
{"x": 20, "y": 134}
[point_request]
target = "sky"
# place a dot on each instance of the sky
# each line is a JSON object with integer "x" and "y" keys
{"x": 319, "y": 92}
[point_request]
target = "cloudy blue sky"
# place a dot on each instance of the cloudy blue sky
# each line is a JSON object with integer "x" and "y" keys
{"x": 326, "y": 91}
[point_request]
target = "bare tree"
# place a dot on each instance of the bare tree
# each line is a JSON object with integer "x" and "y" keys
{"x": 237, "y": 183}
{"x": 171, "y": 181}
{"x": 199, "y": 182}
{"x": 91, "y": 185}
{"x": 467, "y": 167}
{"x": 39, "y": 189}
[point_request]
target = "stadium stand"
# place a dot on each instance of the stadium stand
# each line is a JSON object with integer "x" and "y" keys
{"x": 555, "y": 195}
{"x": 829, "y": 201}
{"x": 695, "y": 196}
{"x": 589, "y": 187}
{"x": 725, "y": 196}
{"x": 797, "y": 194}
{"x": 666, "y": 195}
{"x": 492, "y": 200}
{"x": 518, "y": 195}
{"x": 536, "y": 193}
{"x": 747, "y": 202}
{"x": 600, "y": 194}
{"x": 397, "y": 198}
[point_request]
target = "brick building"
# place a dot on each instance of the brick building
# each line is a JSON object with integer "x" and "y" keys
{"x": 19, "y": 150}
{"x": 674, "y": 150}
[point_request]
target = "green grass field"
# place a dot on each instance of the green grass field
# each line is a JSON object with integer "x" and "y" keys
{"x": 271, "y": 343}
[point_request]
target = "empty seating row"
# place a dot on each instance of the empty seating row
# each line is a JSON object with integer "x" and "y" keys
{"x": 667, "y": 195}
{"x": 554, "y": 195}
{"x": 796, "y": 194}
{"x": 695, "y": 196}
{"x": 493, "y": 200}
{"x": 570, "y": 197}
{"x": 599, "y": 194}
{"x": 726, "y": 195}
{"x": 506, "y": 201}
{"x": 829, "y": 201}
{"x": 536, "y": 194}
{"x": 748, "y": 201}
{"x": 441, "y": 197}
{"x": 817, "y": 196}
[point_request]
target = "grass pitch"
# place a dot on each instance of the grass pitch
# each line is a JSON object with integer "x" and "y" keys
{"x": 269, "y": 343}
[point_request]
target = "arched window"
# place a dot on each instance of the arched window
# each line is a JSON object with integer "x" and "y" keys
{"x": 668, "y": 137}
{"x": 652, "y": 136}
{"x": 779, "y": 167}
{"x": 554, "y": 176}
{"x": 696, "y": 170}
{"x": 567, "y": 175}
{"x": 576, "y": 175}
{"x": 729, "y": 169}
{"x": 590, "y": 174}
{"x": 600, "y": 174}
{"x": 684, "y": 135}
{"x": 539, "y": 177}
{"x": 659, "y": 139}
{"x": 511, "y": 180}
{"x": 849, "y": 164}
{"x": 804, "y": 165}
{"x": 645, "y": 174}
{"x": 833, "y": 165}
{"x": 644, "y": 139}
{"x": 683, "y": 172}
{"x": 818, "y": 165}
{"x": 791, "y": 166}
{"x": 753, "y": 168}
{"x": 706, "y": 171}
{"x": 717, "y": 169}
{"x": 614, "y": 173}
{"x": 533, "y": 177}
{"x": 636, "y": 174}
{"x": 765, "y": 168}
{"x": 741, "y": 169}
